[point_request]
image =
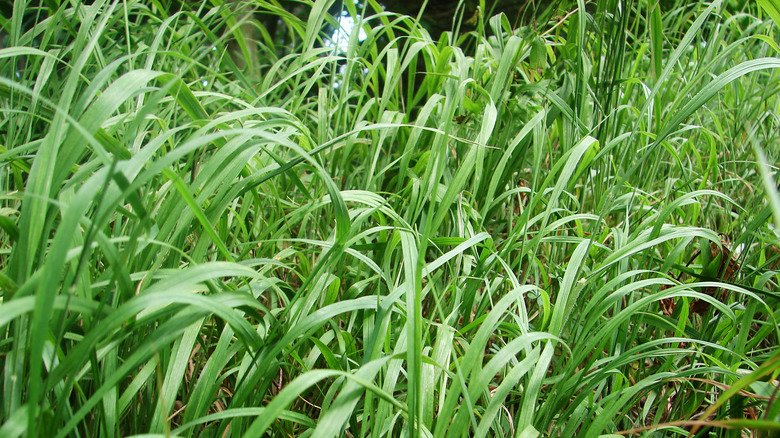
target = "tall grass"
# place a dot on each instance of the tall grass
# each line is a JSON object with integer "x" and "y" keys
{"x": 568, "y": 228}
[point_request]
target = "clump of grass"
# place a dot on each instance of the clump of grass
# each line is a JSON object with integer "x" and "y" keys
{"x": 559, "y": 229}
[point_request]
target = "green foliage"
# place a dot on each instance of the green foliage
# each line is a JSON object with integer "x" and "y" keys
{"x": 210, "y": 228}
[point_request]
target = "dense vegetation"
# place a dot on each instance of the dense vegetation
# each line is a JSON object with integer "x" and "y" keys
{"x": 563, "y": 226}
